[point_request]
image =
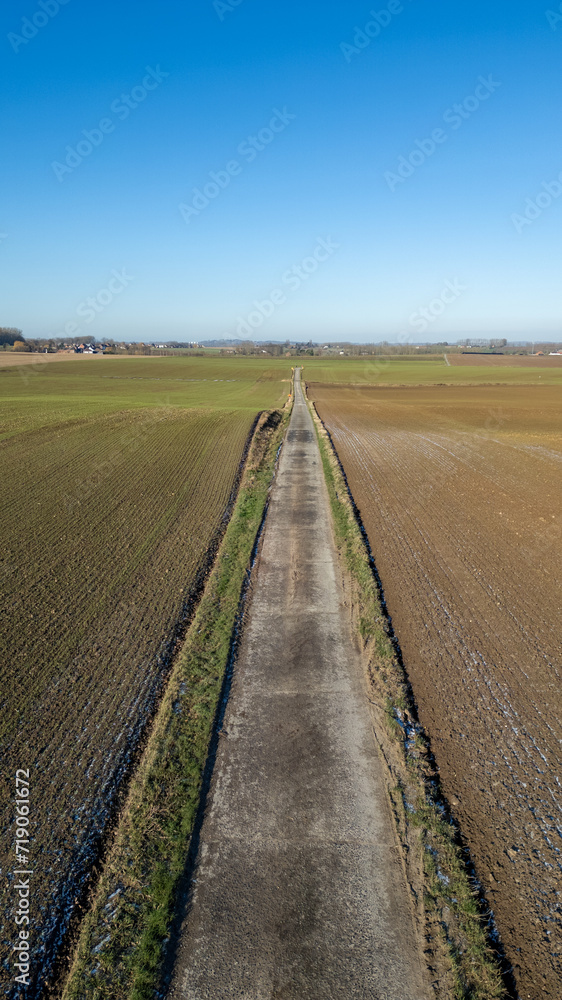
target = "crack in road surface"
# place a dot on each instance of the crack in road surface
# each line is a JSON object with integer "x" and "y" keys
{"x": 298, "y": 892}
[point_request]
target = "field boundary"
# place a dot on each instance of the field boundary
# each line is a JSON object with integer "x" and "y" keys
{"x": 463, "y": 949}
{"x": 55, "y": 968}
{"x": 129, "y": 930}
{"x": 432, "y": 385}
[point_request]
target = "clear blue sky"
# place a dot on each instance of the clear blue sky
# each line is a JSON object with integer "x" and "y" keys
{"x": 329, "y": 172}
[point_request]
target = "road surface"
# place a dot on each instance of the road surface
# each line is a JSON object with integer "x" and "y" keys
{"x": 298, "y": 892}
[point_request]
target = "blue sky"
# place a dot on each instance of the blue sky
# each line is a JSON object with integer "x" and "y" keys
{"x": 351, "y": 98}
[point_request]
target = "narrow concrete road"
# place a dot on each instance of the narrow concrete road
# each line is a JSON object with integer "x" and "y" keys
{"x": 298, "y": 892}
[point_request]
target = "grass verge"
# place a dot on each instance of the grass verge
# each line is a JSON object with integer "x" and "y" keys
{"x": 458, "y": 930}
{"x": 122, "y": 943}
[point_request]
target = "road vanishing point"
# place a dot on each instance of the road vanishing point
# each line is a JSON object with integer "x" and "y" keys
{"x": 298, "y": 890}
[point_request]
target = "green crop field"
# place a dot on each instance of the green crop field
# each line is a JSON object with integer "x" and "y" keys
{"x": 38, "y": 394}
{"x": 117, "y": 480}
{"x": 423, "y": 370}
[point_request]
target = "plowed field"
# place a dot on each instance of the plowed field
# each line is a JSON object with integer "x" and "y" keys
{"x": 459, "y": 490}
{"x": 116, "y": 481}
{"x": 504, "y": 361}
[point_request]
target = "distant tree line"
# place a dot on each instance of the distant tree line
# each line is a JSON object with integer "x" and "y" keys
{"x": 12, "y": 339}
{"x": 487, "y": 345}
{"x": 9, "y": 335}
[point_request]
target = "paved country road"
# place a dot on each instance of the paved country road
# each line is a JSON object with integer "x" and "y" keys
{"x": 298, "y": 891}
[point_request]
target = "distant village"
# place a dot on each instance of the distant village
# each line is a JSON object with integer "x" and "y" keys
{"x": 12, "y": 339}
{"x": 111, "y": 348}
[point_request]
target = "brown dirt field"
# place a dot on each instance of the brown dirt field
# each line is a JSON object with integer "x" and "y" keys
{"x": 459, "y": 491}
{"x": 503, "y": 361}
{"x": 9, "y": 360}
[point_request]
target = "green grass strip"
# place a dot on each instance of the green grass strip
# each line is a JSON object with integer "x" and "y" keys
{"x": 120, "y": 950}
{"x": 451, "y": 897}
